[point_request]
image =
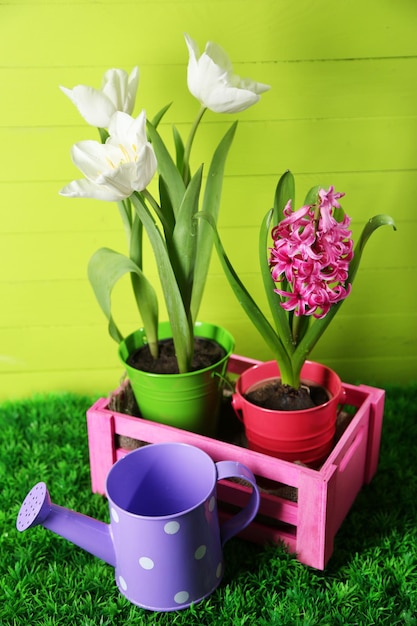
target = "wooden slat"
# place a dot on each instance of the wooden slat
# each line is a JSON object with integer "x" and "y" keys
{"x": 72, "y": 302}
{"x": 64, "y": 256}
{"x": 360, "y": 88}
{"x": 81, "y": 347}
{"x": 353, "y": 145}
{"x": 265, "y": 30}
{"x": 37, "y": 207}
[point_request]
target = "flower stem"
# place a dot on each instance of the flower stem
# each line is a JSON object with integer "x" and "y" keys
{"x": 188, "y": 145}
{"x": 295, "y": 329}
{"x": 126, "y": 215}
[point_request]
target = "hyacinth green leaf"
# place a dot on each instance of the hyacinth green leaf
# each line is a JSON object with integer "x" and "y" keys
{"x": 312, "y": 195}
{"x": 182, "y": 331}
{"x": 370, "y": 227}
{"x": 279, "y": 315}
{"x": 105, "y": 269}
{"x": 211, "y": 206}
{"x": 248, "y": 303}
{"x": 167, "y": 169}
{"x": 184, "y": 241}
{"x": 285, "y": 191}
{"x": 318, "y": 327}
{"x": 338, "y": 214}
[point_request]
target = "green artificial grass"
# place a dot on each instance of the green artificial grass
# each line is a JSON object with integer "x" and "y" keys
{"x": 370, "y": 579}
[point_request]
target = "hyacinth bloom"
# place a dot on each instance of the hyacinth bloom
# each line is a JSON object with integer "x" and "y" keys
{"x": 211, "y": 80}
{"x": 117, "y": 93}
{"x": 311, "y": 256}
{"x": 313, "y": 263}
{"x": 114, "y": 170}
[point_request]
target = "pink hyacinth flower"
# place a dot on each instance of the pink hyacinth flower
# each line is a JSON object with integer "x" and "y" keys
{"x": 312, "y": 255}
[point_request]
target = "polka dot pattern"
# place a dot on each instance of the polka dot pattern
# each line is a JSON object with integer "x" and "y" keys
{"x": 171, "y": 528}
{"x": 200, "y": 553}
{"x": 181, "y": 597}
{"x": 146, "y": 563}
{"x": 154, "y": 577}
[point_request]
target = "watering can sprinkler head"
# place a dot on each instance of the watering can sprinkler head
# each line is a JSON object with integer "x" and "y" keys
{"x": 35, "y": 508}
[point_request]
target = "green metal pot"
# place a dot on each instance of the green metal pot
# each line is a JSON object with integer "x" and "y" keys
{"x": 190, "y": 401}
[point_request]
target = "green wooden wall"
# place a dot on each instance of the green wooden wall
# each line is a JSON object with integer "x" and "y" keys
{"x": 342, "y": 110}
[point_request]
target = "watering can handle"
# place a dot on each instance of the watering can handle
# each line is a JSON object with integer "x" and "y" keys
{"x": 232, "y": 526}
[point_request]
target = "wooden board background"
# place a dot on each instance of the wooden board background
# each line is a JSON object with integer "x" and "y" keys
{"x": 342, "y": 110}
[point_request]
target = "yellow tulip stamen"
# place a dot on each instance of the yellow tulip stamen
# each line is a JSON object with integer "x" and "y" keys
{"x": 125, "y": 153}
{"x": 110, "y": 162}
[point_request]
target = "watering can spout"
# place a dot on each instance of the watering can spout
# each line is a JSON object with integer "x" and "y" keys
{"x": 87, "y": 533}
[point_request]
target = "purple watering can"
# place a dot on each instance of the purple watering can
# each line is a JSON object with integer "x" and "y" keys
{"x": 164, "y": 540}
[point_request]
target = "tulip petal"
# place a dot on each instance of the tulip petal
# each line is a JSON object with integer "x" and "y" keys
{"x": 131, "y": 175}
{"x": 219, "y": 56}
{"x": 211, "y": 80}
{"x": 121, "y": 89}
{"x": 146, "y": 165}
{"x": 94, "y": 106}
{"x": 252, "y": 85}
{"x": 122, "y": 179}
{"x": 230, "y": 100}
{"x": 92, "y": 158}
{"x": 117, "y": 93}
{"x": 84, "y": 188}
{"x": 126, "y": 130}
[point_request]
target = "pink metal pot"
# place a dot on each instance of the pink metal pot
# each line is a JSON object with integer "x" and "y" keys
{"x": 304, "y": 435}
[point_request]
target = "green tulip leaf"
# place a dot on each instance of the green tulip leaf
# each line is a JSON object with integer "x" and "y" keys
{"x": 247, "y": 302}
{"x": 184, "y": 241}
{"x": 174, "y": 183}
{"x": 158, "y": 117}
{"x": 180, "y": 155}
{"x": 182, "y": 331}
{"x": 211, "y": 206}
{"x": 105, "y": 269}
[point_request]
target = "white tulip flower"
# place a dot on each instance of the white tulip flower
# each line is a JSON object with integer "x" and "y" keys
{"x": 117, "y": 93}
{"x": 211, "y": 80}
{"x": 114, "y": 170}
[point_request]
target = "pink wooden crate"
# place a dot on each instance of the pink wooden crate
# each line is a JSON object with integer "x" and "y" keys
{"x": 306, "y": 507}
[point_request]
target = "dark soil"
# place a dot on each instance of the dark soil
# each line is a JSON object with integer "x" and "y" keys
{"x": 278, "y": 397}
{"x": 207, "y": 352}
